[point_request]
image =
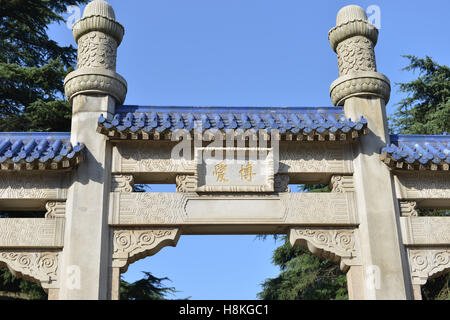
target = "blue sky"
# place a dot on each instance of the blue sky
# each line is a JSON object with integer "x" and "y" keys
{"x": 249, "y": 53}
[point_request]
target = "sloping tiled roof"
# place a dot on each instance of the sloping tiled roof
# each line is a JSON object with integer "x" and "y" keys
{"x": 414, "y": 152}
{"x": 38, "y": 151}
{"x": 298, "y": 123}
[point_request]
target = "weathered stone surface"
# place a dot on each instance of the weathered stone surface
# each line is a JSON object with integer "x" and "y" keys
{"x": 40, "y": 185}
{"x": 342, "y": 184}
{"x": 155, "y": 157}
{"x": 408, "y": 209}
{"x": 122, "y": 183}
{"x": 423, "y": 185}
{"x": 236, "y": 170}
{"x": 338, "y": 245}
{"x": 425, "y": 231}
{"x": 98, "y": 35}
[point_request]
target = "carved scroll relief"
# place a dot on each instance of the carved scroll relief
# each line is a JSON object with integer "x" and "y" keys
{"x": 36, "y": 232}
{"x": 36, "y": 266}
{"x": 408, "y": 209}
{"x": 31, "y": 233}
{"x": 186, "y": 183}
{"x": 33, "y": 186}
{"x": 122, "y": 183}
{"x": 130, "y": 245}
{"x": 342, "y": 184}
{"x": 338, "y": 245}
{"x": 426, "y": 263}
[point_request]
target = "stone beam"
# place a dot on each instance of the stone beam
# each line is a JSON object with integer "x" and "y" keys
{"x": 237, "y": 214}
{"x": 428, "y": 189}
{"x": 33, "y": 186}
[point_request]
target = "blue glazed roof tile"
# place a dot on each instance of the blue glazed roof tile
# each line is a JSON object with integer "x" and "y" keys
{"x": 418, "y": 152}
{"x": 38, "y": 151}
{"x": 327, "y": 123}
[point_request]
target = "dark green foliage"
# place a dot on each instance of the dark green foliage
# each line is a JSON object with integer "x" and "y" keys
{"x": 33, "y": 67}
{"x": 148, "y": 288}
{"x": 426, "y": 109}
{"x": 25, "y": 289}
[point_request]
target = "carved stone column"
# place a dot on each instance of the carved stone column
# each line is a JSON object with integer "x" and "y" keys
{"x": 362, "y": 91}
{"x": 354, "y": 40}
{"x": 93, "y": 89}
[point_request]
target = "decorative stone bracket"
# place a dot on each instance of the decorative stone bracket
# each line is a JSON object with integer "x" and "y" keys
{"x": 55, "y": 209}
{"x": 130, "y": 245}
{"x": 37, "y": 266}
{"x": 122, "y": 183}
{"x": 427, "y": 263}
{"x": 342, "y": 184}
{"x": 338, "y": 245}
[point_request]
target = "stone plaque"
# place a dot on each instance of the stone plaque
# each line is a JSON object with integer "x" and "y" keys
{"x": 234, "y": 169}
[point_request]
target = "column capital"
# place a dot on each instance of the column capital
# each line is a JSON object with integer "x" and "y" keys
{"x": 354, "y": 39}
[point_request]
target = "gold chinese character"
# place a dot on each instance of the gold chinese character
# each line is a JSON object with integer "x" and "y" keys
{"x": 247, "y": 172}
{"x": 220, "y": 172}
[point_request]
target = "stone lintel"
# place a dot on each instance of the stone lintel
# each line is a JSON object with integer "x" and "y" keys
{"x": 235, "y": 213}
{"x": 425, "y": 231}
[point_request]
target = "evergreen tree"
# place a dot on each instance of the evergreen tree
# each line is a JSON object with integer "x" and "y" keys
{"x": 33, "y": 67}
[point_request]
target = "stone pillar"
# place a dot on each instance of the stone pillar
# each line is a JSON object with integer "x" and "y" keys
{"x": 362, "y": 91}
{"x": 417, "y": 288}
{"x": 115, "y": 285}
{"x": 93, "y": 89}
{"x": 355, "y": 283}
